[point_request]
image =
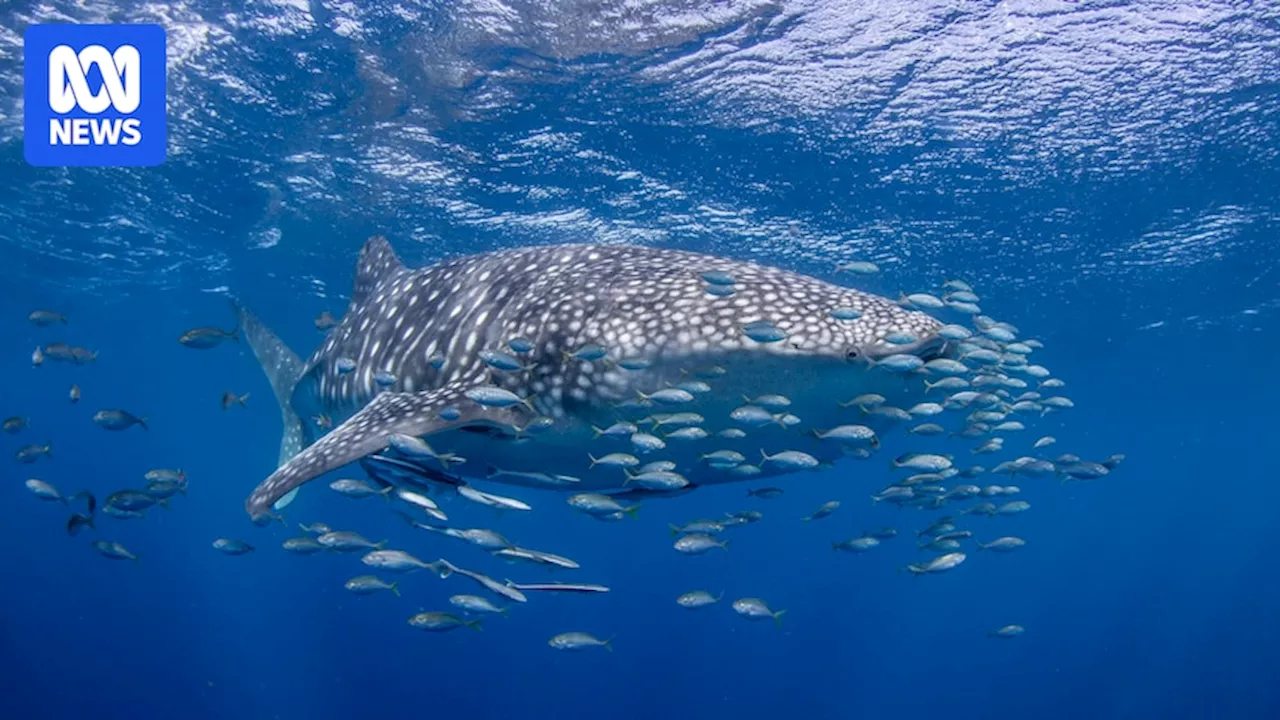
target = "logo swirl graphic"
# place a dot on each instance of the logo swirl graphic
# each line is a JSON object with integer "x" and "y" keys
{"x": 69, "y": 84}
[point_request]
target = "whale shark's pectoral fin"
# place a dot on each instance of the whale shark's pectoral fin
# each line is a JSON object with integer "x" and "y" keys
{"x": 367, "y": 432}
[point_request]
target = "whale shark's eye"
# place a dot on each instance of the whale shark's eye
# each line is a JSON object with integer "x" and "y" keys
{"x": 851, "y": 354}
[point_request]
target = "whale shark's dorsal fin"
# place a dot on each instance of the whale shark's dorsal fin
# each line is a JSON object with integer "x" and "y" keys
{"x": 368, "y": 431}
{"x": 377, "y": 262}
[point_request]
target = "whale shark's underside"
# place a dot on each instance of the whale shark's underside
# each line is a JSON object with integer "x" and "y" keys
{"x": 602, "y": 329}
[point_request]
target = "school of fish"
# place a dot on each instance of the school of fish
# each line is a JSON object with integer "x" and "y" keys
{"x": 982, "y": 393}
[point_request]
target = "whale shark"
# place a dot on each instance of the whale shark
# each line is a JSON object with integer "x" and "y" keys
{"x": 515, "y": 364}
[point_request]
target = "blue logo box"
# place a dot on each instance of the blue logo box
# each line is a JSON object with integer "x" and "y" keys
{"x": 94, "y": 95}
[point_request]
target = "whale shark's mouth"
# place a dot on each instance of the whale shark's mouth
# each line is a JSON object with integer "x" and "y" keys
{"x": 927, "y": 349}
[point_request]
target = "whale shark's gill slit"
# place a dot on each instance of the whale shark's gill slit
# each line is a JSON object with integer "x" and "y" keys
{"x": 367, "y": 432}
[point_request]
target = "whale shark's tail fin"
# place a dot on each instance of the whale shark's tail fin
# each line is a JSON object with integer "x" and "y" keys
{"x": 283, "y": 370}
{"x": 369, "y": 430}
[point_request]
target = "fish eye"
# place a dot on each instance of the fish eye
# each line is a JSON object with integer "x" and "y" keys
{"x": 851, "y": 354}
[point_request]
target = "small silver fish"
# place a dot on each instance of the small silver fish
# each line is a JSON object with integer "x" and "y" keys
{"x": 858, "y": 267}
{"x": 699, "y": 543}
{"x": 358, "y": 488}
{"x": 763, "y": 331}
{"x": 1003, "y": 544}
{"x": 938, "y": 564}
{"x": 900, "y": 363}
{"x": 588, "y": 353}
{"x": 790, "y": 460}
{"x": 492, "y": 396}
{"x": 396, "y": 561}
{"x": 118, "y": 420}
{"x": 824, "y": 510}
{"x": 369, "y": 584}
{"x": 441, "y": 622}
{"x": 499, "y": 360}
{"x": 231, "y": 546}
{"x": 854, "y": 434}
{"x": 1008, "y": 631}
{"x": 305, "y": 545}
{"x": 920, "y": 300}
{"x": 756, "y": 609}
{"x": 476, "y": 604}
{"x": 114, "y": 550}
{"x": 857, "y": 545}
{"x": 597, "y": 504}
{"x": 578, "y": 641}
{"x": 618, "y": 460}
{"x": 347, "y": 541}
{"x": 698, "y": 599}
{"x": 44, "y": 491}
{"x": 489, "y": 499}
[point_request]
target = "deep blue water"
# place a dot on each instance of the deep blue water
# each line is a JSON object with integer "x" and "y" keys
{"x": 1122, "y": 207}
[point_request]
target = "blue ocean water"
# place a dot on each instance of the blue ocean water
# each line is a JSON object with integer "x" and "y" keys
{"x": 1104, "y": 174}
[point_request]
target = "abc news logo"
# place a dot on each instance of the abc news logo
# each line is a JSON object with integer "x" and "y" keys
{"x": 94, "y": 95}
{"x": 69, "y": 89}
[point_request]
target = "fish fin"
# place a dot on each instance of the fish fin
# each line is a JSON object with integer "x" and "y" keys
{"x": 473, "y": 624}
{"x": 242, "y": 400}
{"x": 725, "y": 546}
{"x": 674, "y": 530}
{"x": 777, "y": 617}
{"x": 378, "y": 261}
{"x": 285, "y": 499}
{"x": 143, "y": 422}
{"x": 366, "y": 432}
{"x": 283, "y": 370}
{"x": 163, "y": 503}
{"x": 395, "y": 588}
{"x": 720, "y": 596}
{"x": 608, "y": 644}
{"x": 633, "y": 512}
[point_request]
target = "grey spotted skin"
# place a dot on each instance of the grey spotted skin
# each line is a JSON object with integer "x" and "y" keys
{"x": 428, "y": 328}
